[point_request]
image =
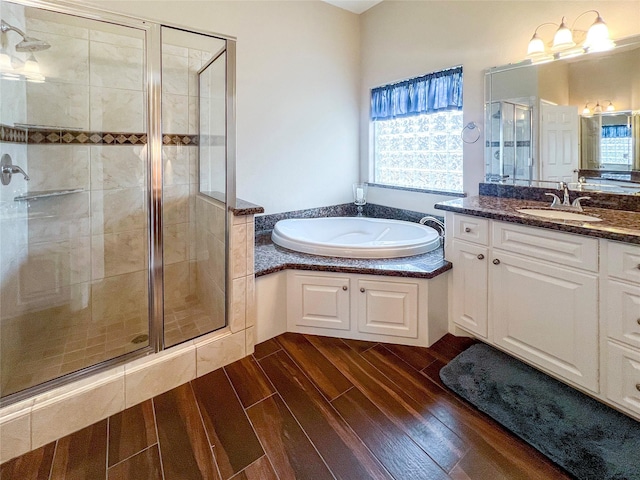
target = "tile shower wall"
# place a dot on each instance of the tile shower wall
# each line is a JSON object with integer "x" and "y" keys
{"x": 79, "y": 251}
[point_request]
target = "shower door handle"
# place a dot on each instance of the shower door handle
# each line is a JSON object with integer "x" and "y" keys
{"x": 7, "y": 169}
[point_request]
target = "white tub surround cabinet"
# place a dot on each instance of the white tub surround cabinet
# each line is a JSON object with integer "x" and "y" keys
{"x": 567, "y": 304}
{"x": 407, "y": 311}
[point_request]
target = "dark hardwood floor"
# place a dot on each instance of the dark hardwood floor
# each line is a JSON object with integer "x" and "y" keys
{"x": 301, "y": 407}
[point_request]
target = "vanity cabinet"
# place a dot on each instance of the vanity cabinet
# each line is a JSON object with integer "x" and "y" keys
{"x": 531, "y": 292}
{"x": 620, "y": 314}
{"x": 367, "y": 307}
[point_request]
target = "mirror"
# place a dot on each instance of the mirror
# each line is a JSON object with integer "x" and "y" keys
{"x": 574, "y": 119}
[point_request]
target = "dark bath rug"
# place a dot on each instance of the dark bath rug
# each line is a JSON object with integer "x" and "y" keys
{"x": 587, "y": 438}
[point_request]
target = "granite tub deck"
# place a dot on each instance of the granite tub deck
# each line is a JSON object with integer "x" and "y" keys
{"x": 270, "y": 258}
{"x": 620, "y": 225}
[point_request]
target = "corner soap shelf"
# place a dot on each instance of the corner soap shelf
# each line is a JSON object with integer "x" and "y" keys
{"x": 46, "y": 194}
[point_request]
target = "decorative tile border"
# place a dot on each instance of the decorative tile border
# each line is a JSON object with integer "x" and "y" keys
{"x": 53, "y": 136}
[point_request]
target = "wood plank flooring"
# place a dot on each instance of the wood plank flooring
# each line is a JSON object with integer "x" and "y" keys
{"x": 301, "y": 407}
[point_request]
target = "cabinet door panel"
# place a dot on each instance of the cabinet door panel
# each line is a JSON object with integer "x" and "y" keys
{"x": 623, "y": 376}
{"x": 548, "y": 316}
{"x": 388, "y": 308}
{"x": 621, "y": 312}
{"x": 469, "y": 307}
{"x": 316, "y": 301}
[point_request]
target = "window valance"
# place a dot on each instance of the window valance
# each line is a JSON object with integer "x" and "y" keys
{"x": 425, "y": 94}
{"x": 616, "y": 131}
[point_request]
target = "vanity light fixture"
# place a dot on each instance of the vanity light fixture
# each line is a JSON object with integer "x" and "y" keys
{"x": 596, "y": 40}
{"x": 597, "y": 108}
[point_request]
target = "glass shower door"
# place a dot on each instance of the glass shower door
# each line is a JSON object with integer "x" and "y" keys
{"x": 74, "y": 268}
{"x": 194, "y": 221}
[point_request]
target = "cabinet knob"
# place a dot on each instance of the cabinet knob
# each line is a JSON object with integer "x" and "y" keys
{"x": 496, "y": 261}
{"x": 362, "y": 289}
{"x": 638, "y": 386}
{"x": 480, "y": 256}
{"x": 467, "y": 229}
{"x": 638, "y": 266}
{"x": 344, "y": 287}
{"x": 638, "y": 321}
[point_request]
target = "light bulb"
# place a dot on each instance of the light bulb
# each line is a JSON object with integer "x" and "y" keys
{"x": 611, "y": 107}
{"x": 598, "y": 37}
{"x": 31, "y": 66}
{"x": 585, "y": 110}
{"x": 563, "y": 37}
{"x": 536, "y": 46}
{"x": 597, "y": 108}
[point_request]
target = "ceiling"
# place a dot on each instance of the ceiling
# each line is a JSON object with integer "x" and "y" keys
{"x": 355, "y": 6}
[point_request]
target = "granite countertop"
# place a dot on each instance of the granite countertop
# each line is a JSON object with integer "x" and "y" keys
{"x": 620, "y": 225}
{"x": 270, "y": 258}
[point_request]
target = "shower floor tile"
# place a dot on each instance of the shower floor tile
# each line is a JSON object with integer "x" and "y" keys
{"x": 300, "y": 407}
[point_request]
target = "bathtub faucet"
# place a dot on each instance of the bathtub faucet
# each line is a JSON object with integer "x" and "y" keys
{"x": 438, "y": 223}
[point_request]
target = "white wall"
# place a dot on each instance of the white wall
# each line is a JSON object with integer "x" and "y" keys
{"x": 298, "y": 67}
{"x": 401, "y": 39}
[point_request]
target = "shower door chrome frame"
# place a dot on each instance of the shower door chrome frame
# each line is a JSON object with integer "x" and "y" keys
{"x": 153, "y": 51}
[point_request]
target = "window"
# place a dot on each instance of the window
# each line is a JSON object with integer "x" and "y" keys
{"x": 616, "y": 147}
{"x": 416, "y": 130}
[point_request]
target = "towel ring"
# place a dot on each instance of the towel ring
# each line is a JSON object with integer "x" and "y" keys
{"x": 470, "y": 126}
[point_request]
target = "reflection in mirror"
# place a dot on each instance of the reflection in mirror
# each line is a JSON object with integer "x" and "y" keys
{"x": 575, "y": 120}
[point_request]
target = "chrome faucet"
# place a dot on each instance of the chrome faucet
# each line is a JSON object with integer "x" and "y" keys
{"x": 565, "y": 203}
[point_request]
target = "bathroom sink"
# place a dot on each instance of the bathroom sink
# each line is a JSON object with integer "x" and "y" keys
{"x": 559, "y": 214}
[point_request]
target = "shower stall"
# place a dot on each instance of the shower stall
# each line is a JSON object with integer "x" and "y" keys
{"x": 117, "y": 168}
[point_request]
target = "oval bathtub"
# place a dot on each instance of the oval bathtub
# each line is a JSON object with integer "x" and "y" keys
{"x": 355, "y": 237}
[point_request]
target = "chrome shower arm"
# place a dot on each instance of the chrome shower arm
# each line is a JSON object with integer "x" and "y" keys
{"x": 5, "y": 27}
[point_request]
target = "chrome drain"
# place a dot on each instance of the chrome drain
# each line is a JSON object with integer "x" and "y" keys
{"x": 140, "y": 339}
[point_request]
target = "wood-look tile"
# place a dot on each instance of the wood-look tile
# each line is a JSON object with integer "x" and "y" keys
{"x": 432, "y": 372}
{"x": 131, "y": 431}
{"x": 447, "y": 348}
{"x": 397, "y": 452}
{"x": 143, "y": 466}
{"x": 288, "y": 448}
{"x": 342, "y": 450}
{"x": 35, "y": 465}
{"x": 321, "y": 371}
{"x": 359, "y": 345}
{"x": 261, "y": 469}
{"x": 441, "y": 443}
{"x": 249, "y": 381}
{"x": 490, "y": 443}
{"x": 459, "y": 343}
{"x": 417, "y": 357}
{"x": 82, "y": 455}
{"x": 228, "y": 427}
{"x": 266, "y": 348}
{"x": 184, "y": 448}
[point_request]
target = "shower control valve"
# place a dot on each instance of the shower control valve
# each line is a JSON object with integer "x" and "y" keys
{"x": 7, "y": 169}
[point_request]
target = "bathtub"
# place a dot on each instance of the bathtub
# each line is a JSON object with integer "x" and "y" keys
{"x": 355, "y": 237}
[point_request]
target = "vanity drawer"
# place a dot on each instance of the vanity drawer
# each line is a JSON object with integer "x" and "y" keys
{"x": 623, "y": 376}
{"x": 471, "y": 229}
{"x": 623, "y": 261}
{"x": 559, "y": 248}
{"x": 622, "y": 312}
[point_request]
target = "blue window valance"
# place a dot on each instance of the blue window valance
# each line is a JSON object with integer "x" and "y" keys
{"x": 616, "y": 131}
{"x": 426, "y": 94}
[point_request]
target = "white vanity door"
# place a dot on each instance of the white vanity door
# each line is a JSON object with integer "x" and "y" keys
{"x": 547, "y": 315}
{"x": 470, "y": 287}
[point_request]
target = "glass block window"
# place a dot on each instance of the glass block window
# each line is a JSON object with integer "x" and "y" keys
{"x": 422, "y": 151}
{"x": 616, "y": 151}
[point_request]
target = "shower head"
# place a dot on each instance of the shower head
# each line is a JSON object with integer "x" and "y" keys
{"x": 28, "y": 44}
